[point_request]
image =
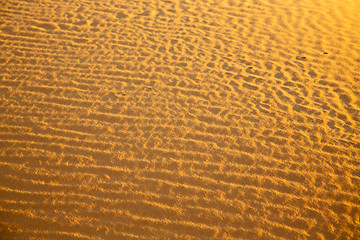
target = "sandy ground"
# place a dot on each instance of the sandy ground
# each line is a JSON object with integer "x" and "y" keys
{"x": 180, "y": 119}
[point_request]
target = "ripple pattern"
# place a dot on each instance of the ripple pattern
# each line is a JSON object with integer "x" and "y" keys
{"x": 179, "y": 119}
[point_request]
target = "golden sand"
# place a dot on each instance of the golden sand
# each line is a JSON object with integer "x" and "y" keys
{"x": 180, "y": 119}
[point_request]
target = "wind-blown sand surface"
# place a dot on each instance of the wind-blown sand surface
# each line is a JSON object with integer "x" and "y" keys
{"x": 180, "y": 119}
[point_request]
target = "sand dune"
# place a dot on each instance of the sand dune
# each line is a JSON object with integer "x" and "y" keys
{"x": 180, "y": 119}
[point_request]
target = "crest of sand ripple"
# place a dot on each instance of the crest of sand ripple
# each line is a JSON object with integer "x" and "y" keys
{"x": 180, "y": 119}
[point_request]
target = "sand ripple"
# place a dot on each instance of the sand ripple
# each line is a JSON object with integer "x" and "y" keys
{"x": 180, "y": 119}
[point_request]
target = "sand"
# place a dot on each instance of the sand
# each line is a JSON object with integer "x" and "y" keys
{"x": 180, "y": 119}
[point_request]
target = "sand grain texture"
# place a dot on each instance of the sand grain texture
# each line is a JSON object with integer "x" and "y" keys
{"x": 180, "y": 119}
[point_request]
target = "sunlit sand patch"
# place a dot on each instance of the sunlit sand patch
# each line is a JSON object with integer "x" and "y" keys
{"x": 180, "y": 119}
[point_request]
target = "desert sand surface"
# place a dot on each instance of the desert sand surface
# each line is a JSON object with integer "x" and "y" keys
{"x": 180, "y": 119}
